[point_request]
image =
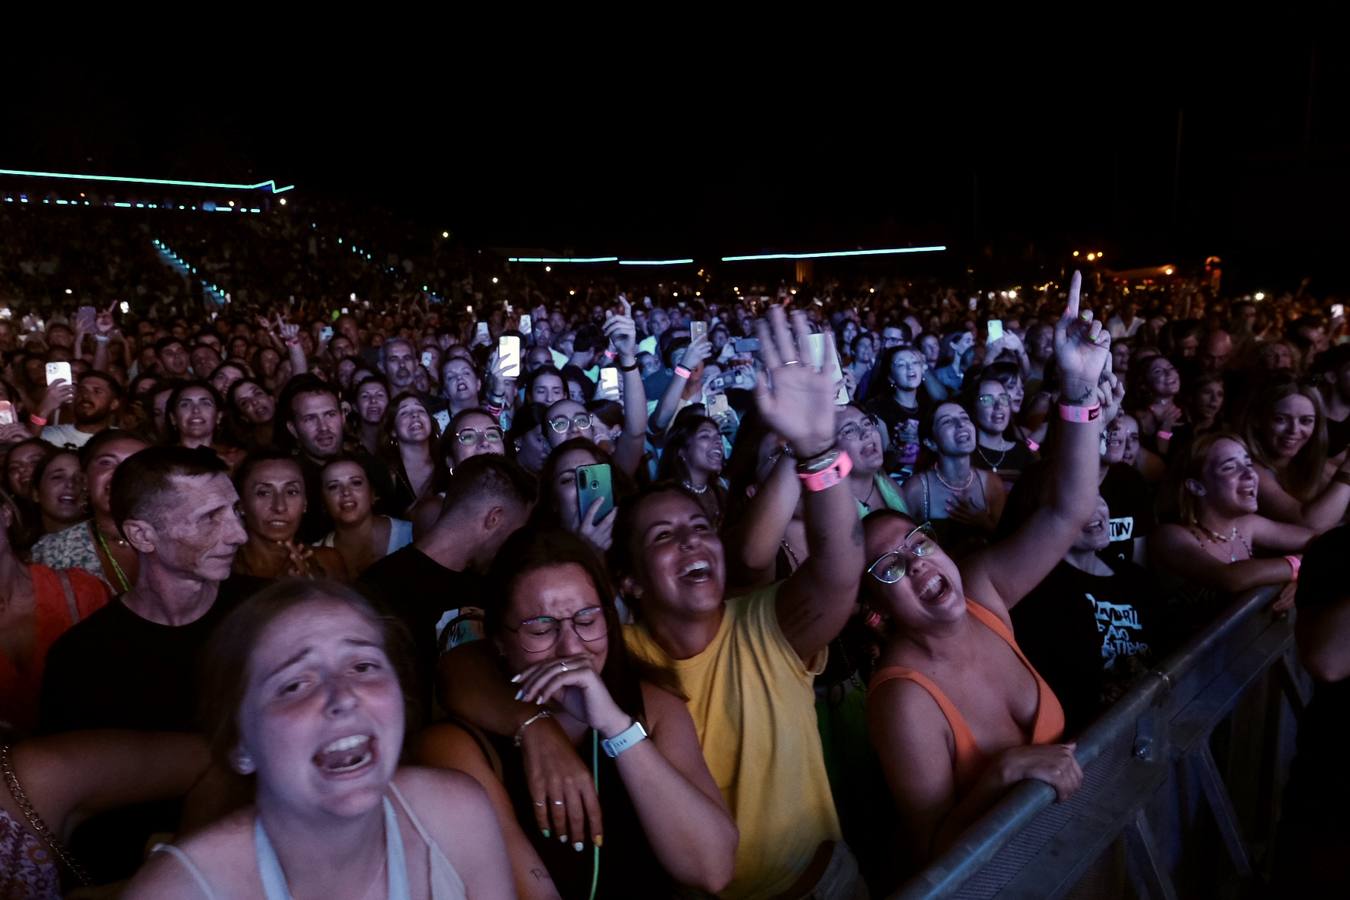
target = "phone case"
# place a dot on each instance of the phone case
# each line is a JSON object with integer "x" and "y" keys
{"x": 594, "y": 481}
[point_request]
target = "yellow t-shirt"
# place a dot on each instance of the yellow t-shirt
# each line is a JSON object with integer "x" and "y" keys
{"x": 754, "y": 708}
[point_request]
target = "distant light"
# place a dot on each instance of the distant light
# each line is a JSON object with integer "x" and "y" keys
{"x": 122, "y": 205}
{"x": 1091, "y": 257}
{"x": 675, "y": 293}
{"x": 738, "y": 288}
{"x": 232, "y": 203}
{"x": 833, "y": 253}
{"x": 69, "y": 291}
{"x": 1101, "y": 255}
{"x": 494, "y": 279}
{"x": 268, "y": 185}
{"x": 1260, "y": 295}
{"x": 1168, "y": 270}
{"x": 1075, "y": 253}
{"x": 571, "y": 293}
{"x": 1012, "y": 295}
{"x": 424, "y": 287}
{"x": 793, "y": 292}
{"x": 698, "y": 293}
{"x": 282, "y": 201}
{"x": 548, "y": 268}
{"x": 562, "y": 259}
{"x": 445, "y": 234}
{"x": 655, "y": 262}
{"x": 871, "y": 290}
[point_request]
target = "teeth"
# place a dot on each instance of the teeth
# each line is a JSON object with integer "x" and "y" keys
{"x": 347, "y": 743}
{"x": 699, "y": 567}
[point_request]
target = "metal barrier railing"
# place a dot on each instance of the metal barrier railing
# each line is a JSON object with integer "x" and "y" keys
{"x": 1030, "y": 846}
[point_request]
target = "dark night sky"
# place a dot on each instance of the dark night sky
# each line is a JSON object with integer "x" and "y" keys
{"x": 984, "y": 149}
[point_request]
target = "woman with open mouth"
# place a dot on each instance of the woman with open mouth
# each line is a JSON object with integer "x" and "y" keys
{"x": 694, "y": 456}
{"x": 58, "y": 490}
{"x": 1215, "y": 540}
{"x": 1286, "y": 432}
{"x": 303, "y": 698}
{"x": 408, "y": 445}
{"x": 956, "y": 712}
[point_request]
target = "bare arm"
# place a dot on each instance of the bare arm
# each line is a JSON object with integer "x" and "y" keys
{"x": 72, "y": 776}
{"x": 760, "y": 531}
{"x": 695, "y": 353}
{"x": 631, "y": 445}
{"x": 1174, "y": 549}
{"x": 1319, "y": 513}
{"x": 1009, "y": 570}
{"x": 816, "y": 601}
{"x": 1280, "y": 537}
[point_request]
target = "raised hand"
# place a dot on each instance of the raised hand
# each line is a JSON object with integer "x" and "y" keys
{"x": 103, "y": 323}
{"x": 289, "y": 333}
{"x": 698, "y": 350}
{"x": 1082, "y": 348}
{"x": 797, "y": 399}
{"x": 622, "y": 332}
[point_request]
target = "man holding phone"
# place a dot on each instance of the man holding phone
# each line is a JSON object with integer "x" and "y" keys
{"x": 97, "y": 399}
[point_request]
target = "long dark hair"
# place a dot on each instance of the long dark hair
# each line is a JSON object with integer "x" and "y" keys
{"x": 546, "y": 512}
{"x": 530, "y": 550}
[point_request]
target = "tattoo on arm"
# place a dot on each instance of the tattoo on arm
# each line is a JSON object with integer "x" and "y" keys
{"x": 541, "y": 875}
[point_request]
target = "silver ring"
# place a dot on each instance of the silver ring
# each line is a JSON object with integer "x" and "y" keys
{"x": 792, "y": 362}
{"x": 563, "y": 663}
{"x": 557, "y": 803}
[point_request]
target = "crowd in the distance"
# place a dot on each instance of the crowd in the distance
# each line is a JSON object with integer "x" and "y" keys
{"x": 587, "y": 593}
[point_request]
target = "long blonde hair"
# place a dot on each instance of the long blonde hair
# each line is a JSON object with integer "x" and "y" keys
{"x": 1303, "y": 475}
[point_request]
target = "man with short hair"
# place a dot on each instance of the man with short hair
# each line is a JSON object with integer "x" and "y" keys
{"x": 1216, "y": 351}
{"x": 172, "y": 357}
{"x": 133, "y": 664}
{"x": 98, "y": 397}
{"x": 435, "y": 578}
{"x": 399, "y": 364}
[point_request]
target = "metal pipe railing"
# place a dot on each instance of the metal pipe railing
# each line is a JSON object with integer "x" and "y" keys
{"x": 983, "y": 840}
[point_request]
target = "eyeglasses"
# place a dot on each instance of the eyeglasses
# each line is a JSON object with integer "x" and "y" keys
{"x": 854, "y": 431}
{"x": 890, "y": 567}
{"x": 541, "y": 633}
{"x": 469, "y": 436}
{"x": 560, "y": 423}
{"x": 994, "y": 400}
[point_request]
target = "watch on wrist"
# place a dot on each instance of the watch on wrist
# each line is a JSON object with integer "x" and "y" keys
{"x": 633, "y": 734}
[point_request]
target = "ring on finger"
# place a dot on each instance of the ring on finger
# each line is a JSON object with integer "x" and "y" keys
{"x": 557, "y": 803}
{"x": 540, "y": 803}
{"x": 563, "y": 663}
{"x": 792, "y": 362}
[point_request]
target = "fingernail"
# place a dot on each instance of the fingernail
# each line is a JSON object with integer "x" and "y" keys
{"x": 547, "y": 832}
{"x": 515, "y": 678}
{"x": 599, "y": 840}
{"x": 520, "y": 693}
{"x": 563, "y": 838}
{"x": 578, "y": 846}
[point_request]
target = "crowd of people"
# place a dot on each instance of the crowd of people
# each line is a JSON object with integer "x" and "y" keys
{"x": 620, "y": 590}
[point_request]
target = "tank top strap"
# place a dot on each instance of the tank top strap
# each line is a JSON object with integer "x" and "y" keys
{"x": 445, "y": 880}
{"x": 274, "y": 879}
{"x": 186, "y": 862}
{"x": 967, "y": 751}
{"x": 1049, "y": 723}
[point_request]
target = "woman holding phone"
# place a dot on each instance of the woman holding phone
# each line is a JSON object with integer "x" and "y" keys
{"x": 562, "y": 492}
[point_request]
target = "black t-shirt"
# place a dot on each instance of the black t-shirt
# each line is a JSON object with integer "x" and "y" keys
{"x": 118, "y": 670}
{"x": 902, "y": 429}
{"x": 1130, "y": 503}
{"x": 1082, "y": 632}
{"x": 1319, "y": 784}
{"x": 425, "y": 596}
{"x": 1007, "y": 464}
{"x": 1338, "y": 435}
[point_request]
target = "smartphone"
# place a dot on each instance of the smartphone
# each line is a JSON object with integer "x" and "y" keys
{"x": 442, "y": 419}
{"x": 697, "y": 329}
{"x": 346, "y": 311}
{"x": 482, "y": 331}
{"x": 508, "y": 353}
{"x": 126, "y": 307}
{"x": 717, "y": 406}
{"x": 85, "y": 317}
{"x": 747, "y": 345}
{"x": 825, "y": 356}
{"x": 995, "y": 330}
{"x": 1337, "y": 310}
{"x": 974, "y": 301}
{"x": 326, "y": 334}
{"x": 609, "y": 383}
{"x": 592, "y": 482}
{"x": 427, "y": 359}
{"x": 6, "y": 412}
{"x": 526, "y": 326}
{"x": 59, "y": 370}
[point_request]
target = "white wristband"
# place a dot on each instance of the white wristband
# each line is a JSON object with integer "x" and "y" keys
{"x": 633, "y": 734}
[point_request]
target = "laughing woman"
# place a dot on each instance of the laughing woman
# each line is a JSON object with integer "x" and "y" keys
{"x": 694, "y": 457}
{"x": 304, "y": 700}
{"x": 1287, "y": 437}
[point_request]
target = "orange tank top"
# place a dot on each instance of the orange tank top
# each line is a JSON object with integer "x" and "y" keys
{"x": 970, "y": 760}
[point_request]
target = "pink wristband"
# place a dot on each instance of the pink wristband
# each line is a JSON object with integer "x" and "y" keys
{"x": 682, "y": 372}
{"x": 1295, "y": 564}
{"x": 1080, "y": 414}
{"x": 1165, "y": 435}
{"x": 37, "y": 420}
{"x": 1032, "y": 445}
{"x": 828, "y": 477}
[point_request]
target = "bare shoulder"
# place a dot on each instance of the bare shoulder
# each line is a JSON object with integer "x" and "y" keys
{"x": 444, "y": 799}
{"x": 907, "y": 715}
{"x": 223, "y": 852}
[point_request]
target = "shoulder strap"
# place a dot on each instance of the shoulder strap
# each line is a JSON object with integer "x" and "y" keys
{"x": 412, "y": 816}
{"x": 991, "y": 621}
{"x": 187, "y": 863}
{"x": 961, "y": 733}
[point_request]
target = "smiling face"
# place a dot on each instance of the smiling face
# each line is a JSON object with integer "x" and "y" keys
{"x": 1162, "y": 378}
{"x": 477, "y": 433}
{"x": 704, "y": 453}
{"x": 1291, "y": 425}
{"x": 953, "y": 432}
{"x": 681, "y": 569}
{"x": 1096, "y": 533}
{"x": 322, "y": 718}
{"x": 60, "y": 493}
{"x": 347, "y": 492}
{"x": 1228, "y": 480}
{"x": 907, "y": 368}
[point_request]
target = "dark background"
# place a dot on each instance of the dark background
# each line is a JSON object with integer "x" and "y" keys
{"x": 1157, "y": 146}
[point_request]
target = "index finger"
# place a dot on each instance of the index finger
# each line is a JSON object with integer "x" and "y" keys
{"x": 1075, "y": 293}
{"x": 627, "y": 307}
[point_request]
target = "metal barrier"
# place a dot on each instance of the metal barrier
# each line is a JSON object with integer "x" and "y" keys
{"x": 1158, "y": 732}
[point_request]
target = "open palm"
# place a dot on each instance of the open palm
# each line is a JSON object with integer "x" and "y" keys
{"x": 797, "y": 400}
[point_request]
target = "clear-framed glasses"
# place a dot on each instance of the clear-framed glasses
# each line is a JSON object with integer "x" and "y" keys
{"x": 1002, "y": 400}
{"x": 891, "y": 566}
{"x": 560, "y": 423}
{"x": 541, "y": 632}
{"x": 471, "y": 436}
{"x": 854, "y": 431}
